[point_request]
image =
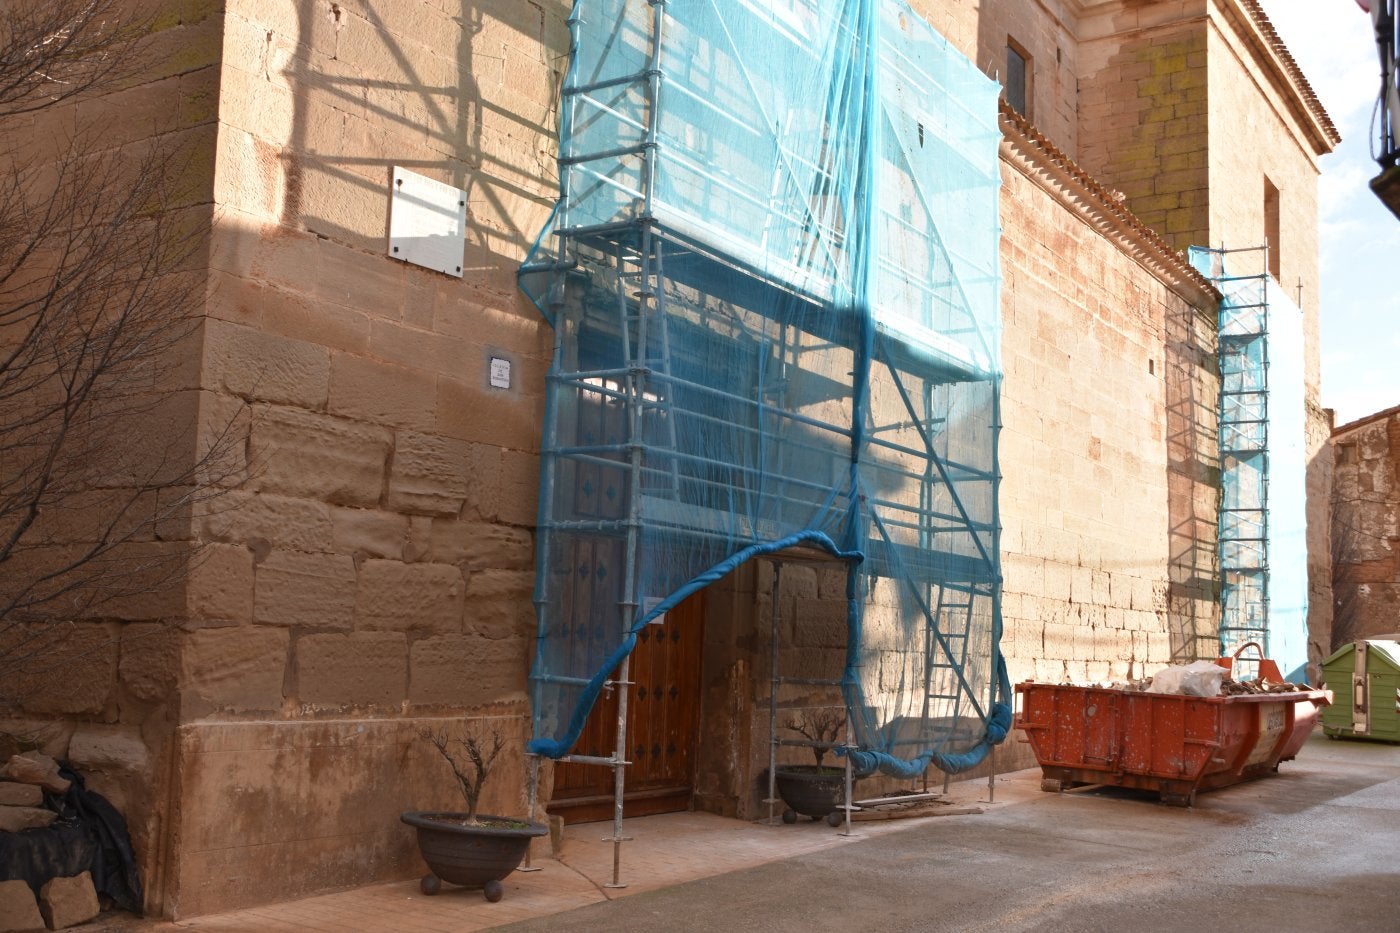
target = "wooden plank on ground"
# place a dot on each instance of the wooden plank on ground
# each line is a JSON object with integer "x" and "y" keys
{"x": 910, "y": 812}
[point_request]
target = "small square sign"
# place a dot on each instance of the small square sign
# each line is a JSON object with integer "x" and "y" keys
{"x": 500, "y": 373}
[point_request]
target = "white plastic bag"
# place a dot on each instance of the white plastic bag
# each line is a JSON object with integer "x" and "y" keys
{"x": 1197, "y": 679}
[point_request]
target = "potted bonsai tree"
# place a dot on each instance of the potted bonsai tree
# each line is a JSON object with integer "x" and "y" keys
{"x": 470, "y": 849}
{"x": 814, "y": 790}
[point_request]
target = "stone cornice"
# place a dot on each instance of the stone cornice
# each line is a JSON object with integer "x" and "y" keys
{"x": 1254, "y": 26}
{"x": 1033, "y": 155}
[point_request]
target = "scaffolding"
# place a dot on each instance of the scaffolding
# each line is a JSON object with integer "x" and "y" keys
{"x": 773, "y": 278}
{"x": 1263, "y": 557}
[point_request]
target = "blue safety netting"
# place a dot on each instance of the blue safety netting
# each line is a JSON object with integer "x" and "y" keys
{"x": 1263, "y": 463}
{"x": 773, "y": 278}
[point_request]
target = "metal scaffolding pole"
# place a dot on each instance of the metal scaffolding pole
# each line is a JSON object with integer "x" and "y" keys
{"x": 916, "y": 490}
{"x": 1244, "y": 449}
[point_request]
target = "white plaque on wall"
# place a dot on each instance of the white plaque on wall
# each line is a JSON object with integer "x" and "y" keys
{"x": 500, "y": 373}
{"x": 427, "y": 222}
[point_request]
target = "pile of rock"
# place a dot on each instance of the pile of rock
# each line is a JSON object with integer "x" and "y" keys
{"x": 62, "y": 902}
{"x": 1234, "y": 688}
{"x": 23, "y": 780}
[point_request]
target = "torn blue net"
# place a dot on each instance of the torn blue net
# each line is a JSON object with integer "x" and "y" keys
{"x": 773, "y": 278}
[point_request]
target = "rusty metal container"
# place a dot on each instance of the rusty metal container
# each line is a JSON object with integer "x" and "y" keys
{"x": 1172, "y": 744}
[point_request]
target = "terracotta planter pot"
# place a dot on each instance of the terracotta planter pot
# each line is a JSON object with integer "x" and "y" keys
{"x": 470, "y": 856}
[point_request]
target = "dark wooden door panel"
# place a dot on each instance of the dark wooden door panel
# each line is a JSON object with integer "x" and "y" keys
{"x": 662, "y": 721}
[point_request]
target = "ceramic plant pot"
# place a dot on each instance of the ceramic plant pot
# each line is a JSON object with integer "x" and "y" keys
{"x": 810, "y": 792}
{"x": 471, "y": 856}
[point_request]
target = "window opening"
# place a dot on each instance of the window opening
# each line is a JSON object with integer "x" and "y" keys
{"x": 1271, "y": 230}
{"x": 1018, "y": 72}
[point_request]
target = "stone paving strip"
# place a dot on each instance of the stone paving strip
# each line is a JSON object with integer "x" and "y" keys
{"x": 665, "y": 850}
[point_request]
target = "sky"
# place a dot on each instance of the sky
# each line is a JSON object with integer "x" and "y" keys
{"x": 1333, "y": 43}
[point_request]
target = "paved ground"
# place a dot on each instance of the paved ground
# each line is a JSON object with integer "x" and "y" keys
{"x": 1313, "y": 849}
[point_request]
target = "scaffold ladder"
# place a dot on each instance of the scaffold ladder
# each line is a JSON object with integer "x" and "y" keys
{"x": 1244, "y": 449}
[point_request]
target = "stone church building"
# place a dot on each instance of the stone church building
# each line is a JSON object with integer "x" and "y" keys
{"x": 373, "y": 569}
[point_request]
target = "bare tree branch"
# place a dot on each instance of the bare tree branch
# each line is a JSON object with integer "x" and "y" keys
{"x": 53, "y": 51}
{"x": 102, "y": 460}
{"x": 472, "y": 773}
{"x": 822, "y": 727}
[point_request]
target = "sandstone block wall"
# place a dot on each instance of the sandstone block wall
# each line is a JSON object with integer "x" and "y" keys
{"x": 1103, "y": 357}
{"x": 1189, "y": 110}
{"x": 1143, "y": 126}
{"x": 388, "y": 515}
{"x": 378, "y": 565}
{"x": 1366, "y": 529}
{"x": 1257, "y": 132}
{"x": 99, "y": 687}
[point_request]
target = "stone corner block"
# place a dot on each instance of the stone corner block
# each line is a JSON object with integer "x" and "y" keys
{"x": 306, "y": 590}
{"x": 105, "y": 749}
{"x": 429, "y": 474}
{"x": 86, "y": 653}
{"x": 221, "y": 584}
{"x": 35, "y": 768}
{"x": 315, "y": 456}
{"x": 357, "y": 669}
{"x": 237, "y": 668}
{"x": 19, "y": 911}
{"x": 67, "y": 902}
{"x": 18, "y": 819}
{"x": 403, "y": 597}
{"x": 149, "y": 665}
{"x": 466, "y": 670}
{"x": 252, "y": 364}
{"x": 13, "y": 794}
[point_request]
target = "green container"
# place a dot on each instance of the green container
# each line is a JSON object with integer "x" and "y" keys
{"x": 1364, "y": 678}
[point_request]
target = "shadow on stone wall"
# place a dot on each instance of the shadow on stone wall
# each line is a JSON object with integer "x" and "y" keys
{"x": 473, "y": 113}
{"x": 1193, "y": 483}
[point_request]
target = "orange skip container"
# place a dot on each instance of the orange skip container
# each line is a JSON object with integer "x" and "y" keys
{"x": 1173, "y": 744}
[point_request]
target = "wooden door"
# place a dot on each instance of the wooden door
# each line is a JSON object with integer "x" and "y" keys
{"x": 662, "y": 722}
